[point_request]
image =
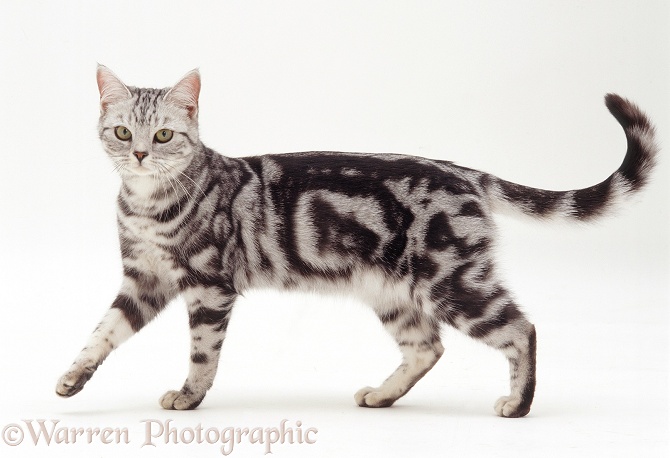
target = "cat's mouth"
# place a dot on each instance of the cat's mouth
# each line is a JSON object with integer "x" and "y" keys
{"x": 140, "y": 170}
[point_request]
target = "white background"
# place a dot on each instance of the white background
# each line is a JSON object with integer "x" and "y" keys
{"x": 511, "y": 87}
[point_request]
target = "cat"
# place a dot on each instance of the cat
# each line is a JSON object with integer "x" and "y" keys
{"x": 411, "y": 237}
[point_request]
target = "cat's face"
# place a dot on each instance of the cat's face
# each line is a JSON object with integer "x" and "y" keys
{"x": 149, "y": 132}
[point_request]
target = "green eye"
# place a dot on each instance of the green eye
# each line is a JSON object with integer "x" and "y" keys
{"x": 123, "y": 133}
{"x": 163, "y": 136}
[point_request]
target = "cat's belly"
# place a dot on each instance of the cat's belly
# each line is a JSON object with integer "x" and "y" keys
{"x": 371, "y": 286}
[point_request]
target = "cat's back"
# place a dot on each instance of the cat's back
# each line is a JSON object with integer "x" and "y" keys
{"x": 358, "y": 173}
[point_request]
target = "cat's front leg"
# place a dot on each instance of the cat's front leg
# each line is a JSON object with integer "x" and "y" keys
{"x": 209, "y": 313}
{"x": 140, "y": 299}
{"x": 109, "y": 334}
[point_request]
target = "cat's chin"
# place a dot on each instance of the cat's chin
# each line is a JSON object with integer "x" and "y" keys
{"x": 139, "y": 171}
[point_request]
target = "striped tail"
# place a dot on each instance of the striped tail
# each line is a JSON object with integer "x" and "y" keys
{"x": 600, "y": 199}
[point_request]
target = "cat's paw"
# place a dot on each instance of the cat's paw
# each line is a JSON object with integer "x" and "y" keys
{"x": 180, "y": 400}
{"x": 373, "y": 397}
{"x": 73, "y": 381}
{"x": 511, "y": 407}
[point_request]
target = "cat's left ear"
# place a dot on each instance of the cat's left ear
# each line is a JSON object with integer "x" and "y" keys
{"x": 186, "y": 92}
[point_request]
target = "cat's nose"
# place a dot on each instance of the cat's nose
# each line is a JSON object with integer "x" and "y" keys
{"x": 140, "y": 155}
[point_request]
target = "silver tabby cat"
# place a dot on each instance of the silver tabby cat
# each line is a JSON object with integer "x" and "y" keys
{"x": 411, "y": 237}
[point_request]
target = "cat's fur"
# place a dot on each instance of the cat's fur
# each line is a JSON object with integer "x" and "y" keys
{"x": 411, "y": 237}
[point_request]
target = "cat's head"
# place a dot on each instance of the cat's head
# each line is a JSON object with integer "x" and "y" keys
{"x": 149, "y": 131}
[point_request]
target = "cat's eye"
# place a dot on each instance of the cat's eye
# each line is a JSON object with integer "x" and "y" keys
{"x": 163, "y": 136}
{"x": 122, "y": 133}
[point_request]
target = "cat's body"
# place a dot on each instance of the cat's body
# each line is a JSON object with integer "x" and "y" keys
{"x": 411, "y": 237}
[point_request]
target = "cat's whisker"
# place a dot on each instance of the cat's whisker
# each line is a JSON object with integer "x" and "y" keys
{"x": 194, "y": 183}
{"x": 162, "y": 185}
{"x": 119, "y": 168}
{"x": 176, "y": 180}
{"x": 117, "y": 163}
{"x": 170, "y": 181}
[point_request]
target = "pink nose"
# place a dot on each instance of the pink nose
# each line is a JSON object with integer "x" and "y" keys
{"x": 140, "y": 155}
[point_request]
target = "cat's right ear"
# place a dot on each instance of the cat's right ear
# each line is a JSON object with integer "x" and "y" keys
{"x": 111, "y": 88}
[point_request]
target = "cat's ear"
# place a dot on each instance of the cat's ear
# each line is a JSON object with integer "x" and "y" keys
{"x": 111, "y": 88}
{"x": 186, "y": 92}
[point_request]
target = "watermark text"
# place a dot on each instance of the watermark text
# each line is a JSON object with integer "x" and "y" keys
{"x": 159, "y": 433}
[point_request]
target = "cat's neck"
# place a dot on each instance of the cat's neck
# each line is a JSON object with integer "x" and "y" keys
{"x": 146, "y": 195}
{"x": 144, "y": 187}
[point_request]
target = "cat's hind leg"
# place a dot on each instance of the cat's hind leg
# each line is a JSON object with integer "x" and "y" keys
{"x": 417, "y": 335}
{"x": 519, "y": 346}
{"x": 476, "y": 304}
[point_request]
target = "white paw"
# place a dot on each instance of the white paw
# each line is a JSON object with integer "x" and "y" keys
{"x": 373, "y": 397}
{"x": 73, "y": 381}
{"x": 509, "y": 406}
{"x": 179, "y": 400}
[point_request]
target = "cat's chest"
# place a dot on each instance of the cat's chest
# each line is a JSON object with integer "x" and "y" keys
{"x": 149, "y": 231}
{"x": 148, "y": 218}
{"x": 152, "y": 258}
{"x": 142, "y": 228}
{"x": 157, "y": 260}
{"x": 151, "y": 245}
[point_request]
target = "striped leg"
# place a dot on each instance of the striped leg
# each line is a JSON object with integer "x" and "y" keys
{"x": 520, "y": 352}
{"x": 504, "y": 327}
{"x": 473, "y": 300}
{"x": 419, "y": 341}
{"x": 141, "y": 298}
{"x": 209, "y": 313}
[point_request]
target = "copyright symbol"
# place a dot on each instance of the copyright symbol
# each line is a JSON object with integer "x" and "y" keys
{"x": 12, "y": 434}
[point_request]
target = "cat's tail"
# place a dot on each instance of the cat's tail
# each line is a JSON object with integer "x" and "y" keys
{"x": 588, "y": 203}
